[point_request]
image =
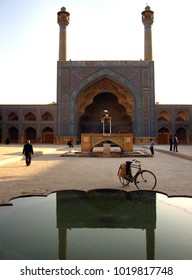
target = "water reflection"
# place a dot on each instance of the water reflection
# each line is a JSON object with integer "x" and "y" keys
{"x": 106, "y": 209}
{"x": 101, "y": 224}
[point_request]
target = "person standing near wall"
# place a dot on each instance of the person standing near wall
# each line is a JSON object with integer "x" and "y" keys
{"x": 28, "y": 152}
{"x": 171, "y": 143}
{"x": 175, "y": 143}
{"x": 151, "y": 146}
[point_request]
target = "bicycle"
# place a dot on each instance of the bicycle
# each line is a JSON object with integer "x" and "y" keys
{"x": 143, "y": 179}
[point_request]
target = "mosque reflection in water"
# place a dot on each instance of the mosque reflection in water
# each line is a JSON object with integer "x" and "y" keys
{"x": 106, "y": 209}
{"x": 101, "y": 224}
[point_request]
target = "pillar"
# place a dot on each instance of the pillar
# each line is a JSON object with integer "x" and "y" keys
{"x": 62, "y": 244}
{"x": 147, "y": 19}
{"x": 63, "y": 21}
{"x": 150, "y": 244}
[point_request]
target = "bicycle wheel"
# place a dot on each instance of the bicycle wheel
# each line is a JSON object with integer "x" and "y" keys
{"x": 145, "y": 180}
{"x": 124, "y": 181}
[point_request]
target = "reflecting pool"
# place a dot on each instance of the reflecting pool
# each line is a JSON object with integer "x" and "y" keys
{"x": 100, "y": 224}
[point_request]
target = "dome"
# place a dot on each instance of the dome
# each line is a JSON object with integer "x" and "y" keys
{"x": 63, "y": 9}
{"x": 147, "y": 8}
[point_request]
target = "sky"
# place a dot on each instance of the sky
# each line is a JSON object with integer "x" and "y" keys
{"x": 98, "y": 30}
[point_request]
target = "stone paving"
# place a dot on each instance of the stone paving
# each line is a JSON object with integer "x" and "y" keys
{"x": 49, "y": 172}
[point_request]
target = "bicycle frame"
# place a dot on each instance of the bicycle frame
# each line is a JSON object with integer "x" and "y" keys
{"x": 135, "y": 166}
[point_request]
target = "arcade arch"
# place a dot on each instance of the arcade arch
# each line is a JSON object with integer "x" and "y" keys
{"x": 12, "y": 117}
{"x": 47, "y": 116}
{"x": 13, "y": 134}
{"x": 164, "y": 116}
{"x": 182, "y": 116}
{"x": 182, "y": 135}
{"x": 30, "y": 133}
{"x": 47, "y": 135}
{"x": 163, "y": 135}
{"x": 30, "y": 117}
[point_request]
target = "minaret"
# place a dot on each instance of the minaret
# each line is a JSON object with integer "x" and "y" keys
{"x": 63, "y": 20}
{"x": 147, "y": 19}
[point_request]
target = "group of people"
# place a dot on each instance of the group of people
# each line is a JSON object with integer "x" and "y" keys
{"x": 28, "y": 148}
{"x": 173, "y": 142}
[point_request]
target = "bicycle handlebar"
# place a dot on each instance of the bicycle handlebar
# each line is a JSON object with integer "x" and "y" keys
{"x": 136, "y": 161}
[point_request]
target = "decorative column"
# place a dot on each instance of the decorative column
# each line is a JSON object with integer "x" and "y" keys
{"x": 147, "y": 19}
{"x": 63, "y": 20}
{"x": 105, "y": 119}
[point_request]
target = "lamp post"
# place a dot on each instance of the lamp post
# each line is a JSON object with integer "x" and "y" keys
{"x": 106, "y": 118}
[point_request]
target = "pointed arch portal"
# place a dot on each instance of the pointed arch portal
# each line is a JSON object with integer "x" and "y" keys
{"x": 105, "y": 94}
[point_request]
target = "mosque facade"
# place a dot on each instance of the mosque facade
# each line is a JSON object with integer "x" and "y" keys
{"x": 85, "y": 89}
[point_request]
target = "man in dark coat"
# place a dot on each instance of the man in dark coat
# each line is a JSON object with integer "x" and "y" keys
{"x": 175, "y": 143}
{"x": 28, "y": 152}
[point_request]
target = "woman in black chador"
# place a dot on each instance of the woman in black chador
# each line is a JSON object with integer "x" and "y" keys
{"x": 171, "y": 143}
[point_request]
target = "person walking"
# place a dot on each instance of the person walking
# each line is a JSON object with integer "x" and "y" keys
{"x": 175, "y": 143}
{"x": 151, "y": 145}
{"x": 28, "y": 152}
{"x": 171, "y": 142}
